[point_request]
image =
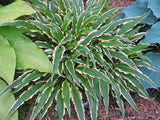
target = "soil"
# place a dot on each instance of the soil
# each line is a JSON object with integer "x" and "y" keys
{"x": 149, "y": 109}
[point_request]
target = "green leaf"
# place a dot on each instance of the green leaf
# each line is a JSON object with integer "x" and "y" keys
{"x": 49, "y": 102}
{"x": 7, "y": 60}
{"x": 103, "y": 17}
{"x": 15, "y": 83}
{"x": 31, "y": 77}
{"x": 78, "y": 103}
{"x": 62, "y": 5}
{"x": 60, "y": 105}
{"x": 66, "y": 95}
{"x": 25, "y": 96}
{"x": 74, "y": 16}
{"x": 70, "y": 68}
{"x": 94, "y": 34}
{"x": 122, "y": 57}
{"x": 41, "y": 101}
{"x": 135, "y": 82}
{"x": 97, "y": 89}
{"x": 107, "y": 53}
{"x": 141, "y": 63}
{"x": 14, "y": 10}
{"x": 87, "y": 85}
{"x": 67, "y": 20}
{"x": 87, "y": 51}
{"x": 27, "y": 53}
{"x": 6, "y": 102}
{"x": 104, "y": 86}
{"x": 97, "y": 74}
{"x": 58, "y": 55}
{"x": 127, "y": 96}
{"x": 100, "y": 4}
{"x": 65, "y": 40}
{"x": 136, "y": 72}
{"x": 93, "y": 106}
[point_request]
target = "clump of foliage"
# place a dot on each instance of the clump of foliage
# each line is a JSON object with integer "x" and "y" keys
{"x": 90, "y": 54}
{"x": 152, "y": 29}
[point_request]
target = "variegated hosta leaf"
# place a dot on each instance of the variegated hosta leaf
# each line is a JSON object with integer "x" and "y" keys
{"x": 70, "y": 67}
{"x": 104, "y": 86}
{"x": 41, "y": 101}
{"x": 57, "y": 56}
{"x": 60, "y": 105}
{"x": 135, "y": 72}
{"x": 93, "y": 106}
{"x": 25, "y": 96}
{"x": 77, "y": 100}
{"x": 66, "y": 95}
{"x": 31, "y": 77}
{"x": 97, "y": 89}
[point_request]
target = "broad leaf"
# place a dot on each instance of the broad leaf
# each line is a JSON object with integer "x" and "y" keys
{"x": 27, "y": 53}
{"x": 152, "y": 35}
{"x": 6, "y": 102}
{"x": 7, "y": 60}
{"x": 14, "y": 10}
{"x": 155, "y": 7}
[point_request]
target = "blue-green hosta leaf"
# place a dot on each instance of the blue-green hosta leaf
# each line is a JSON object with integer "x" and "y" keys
{"x": 71, "y": 70}
{"x": 152, "y": 35}
{"x": 138, "y": 8}
{"x": 67, "y": 21}
{"x": 104, "y": 86}
{"x": 31, "y": 77}
{"x": 41, "y": 101}
{"x": 136, "y": 72}
{"x": 27, "y": 53}
{"x": 6, "y": 102}
{"x": 155, "y": 7}
{"x": 87, "y": 51}
{"x": 58, "y": 55}
{"x": 78, "y": 103}
{"x": 122, "y": 57}
{"x": 60, "y": 105}
{"x": 14, "y": 10}
{"x": 25, "y": 96}
{"x": 7, "y": 60}
{"x": 93, "y": 106}
{"x": 153, "y": 75}
{"x": 66, "y": 95}
{"x": 49, "y": 102}
{"x": 127, "y": 96}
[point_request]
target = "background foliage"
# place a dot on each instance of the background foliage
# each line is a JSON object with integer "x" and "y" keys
{"x": 138, "y": 8}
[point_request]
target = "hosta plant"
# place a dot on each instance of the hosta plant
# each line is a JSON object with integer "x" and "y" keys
{"x": 90, "y": 54}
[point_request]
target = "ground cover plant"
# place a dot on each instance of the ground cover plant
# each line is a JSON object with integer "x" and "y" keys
{"x": 91, "y": 54}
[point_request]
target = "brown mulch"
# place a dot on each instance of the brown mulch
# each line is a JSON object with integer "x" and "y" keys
{"x": 149, "y": 110}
